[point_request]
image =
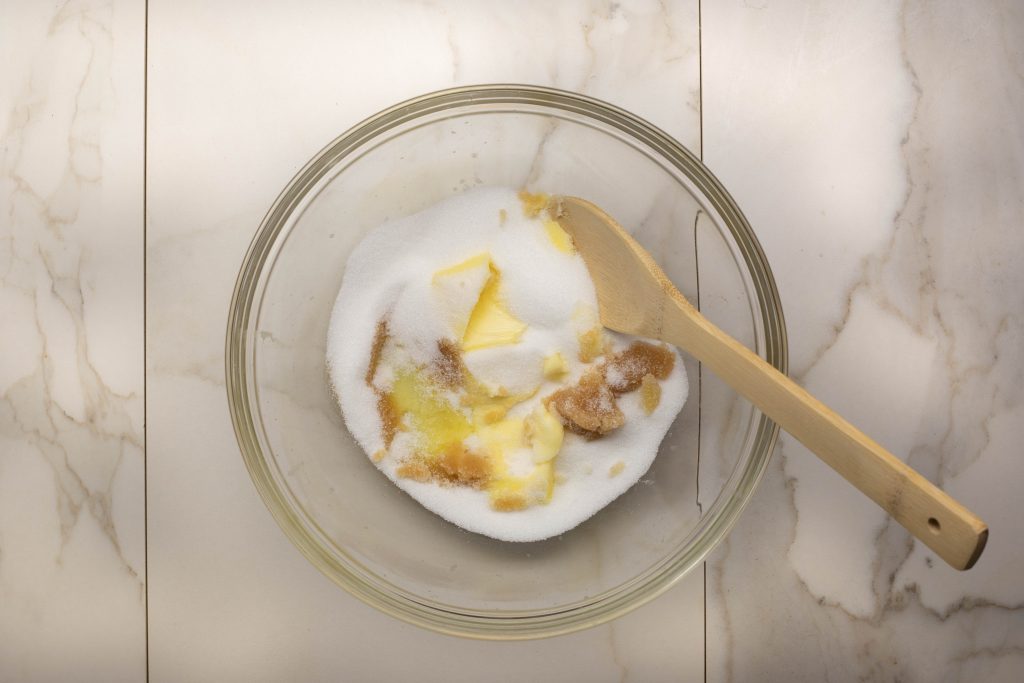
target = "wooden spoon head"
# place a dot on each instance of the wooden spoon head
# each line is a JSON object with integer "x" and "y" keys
{"x": 632, "y": 290}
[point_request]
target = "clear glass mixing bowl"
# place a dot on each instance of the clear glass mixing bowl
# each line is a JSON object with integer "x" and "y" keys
{"x": 343, "y": 514}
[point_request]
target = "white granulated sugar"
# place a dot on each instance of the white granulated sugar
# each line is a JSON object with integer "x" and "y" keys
{"x": 518, "y": 368}
{"x": 614, "y": 377}
{"x": 389, "y": 276}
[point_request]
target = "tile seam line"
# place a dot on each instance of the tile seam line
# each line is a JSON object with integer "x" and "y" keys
{"x": 145, "y": 339}
{"x": 700, "y": 370}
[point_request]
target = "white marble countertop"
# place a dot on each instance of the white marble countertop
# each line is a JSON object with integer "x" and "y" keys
{"x": 876, "y": 147}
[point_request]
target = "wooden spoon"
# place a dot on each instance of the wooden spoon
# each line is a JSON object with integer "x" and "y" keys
{"x": 636, "y": 297}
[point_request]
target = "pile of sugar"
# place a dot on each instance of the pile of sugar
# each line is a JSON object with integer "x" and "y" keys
{"x": 388, "y": 276}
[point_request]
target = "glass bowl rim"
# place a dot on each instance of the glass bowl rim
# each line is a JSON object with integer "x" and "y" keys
{"x": 422, "y": 612}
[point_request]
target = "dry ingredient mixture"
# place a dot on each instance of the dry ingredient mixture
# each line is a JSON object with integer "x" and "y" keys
{"x": 467, "y": 356}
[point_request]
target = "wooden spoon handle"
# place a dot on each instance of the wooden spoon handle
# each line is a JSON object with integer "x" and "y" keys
{"x": 932, "y": 516}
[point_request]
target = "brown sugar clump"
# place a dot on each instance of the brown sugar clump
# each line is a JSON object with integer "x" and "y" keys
{"x": 380, "y": 338}
{"x": 589, "y": 408}
{"x": 415, "y": 469}
{"x": 508, "y": 502}
{"x": 390, "y": 420}
{"x": 624, "y": 371}
{"x": 459, "y": 465}
{"x": 447, "y": 366}
{"x": 650, "y": 393}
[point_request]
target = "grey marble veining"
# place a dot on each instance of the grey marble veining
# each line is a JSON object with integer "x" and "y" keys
{"x": 895, "y": 122}
{"x": 72, "y": 565}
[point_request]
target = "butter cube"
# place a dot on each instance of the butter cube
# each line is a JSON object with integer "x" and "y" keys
{"x": 559, "y": 237}
{"x": 502, "y": 436}
{"x": 545, "y": 433}
{"x": 457, "y": 289}
{"x": 592, "y": 344}
{"x": 555, "y": 367}
{"x": 490, "y": 323}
